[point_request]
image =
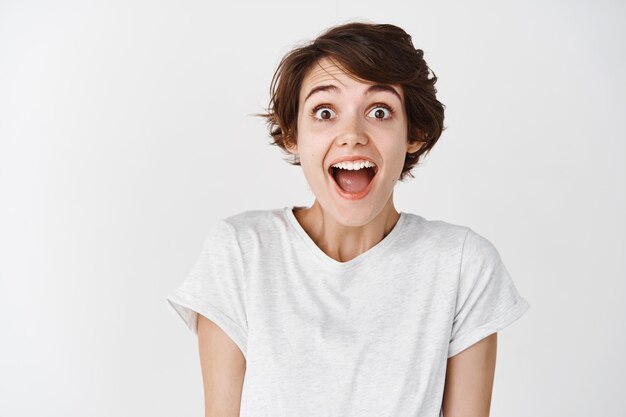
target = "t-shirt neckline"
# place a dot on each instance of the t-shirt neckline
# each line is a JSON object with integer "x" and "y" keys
{"x": 380, "y": 246}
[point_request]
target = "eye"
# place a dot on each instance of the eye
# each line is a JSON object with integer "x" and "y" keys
{"x": 324, "y": 113}
{"x": 380, "y": 112}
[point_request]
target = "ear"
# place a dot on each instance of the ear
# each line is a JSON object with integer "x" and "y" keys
{"x": 291, "y": 146}
{"x": 415, "y": 146}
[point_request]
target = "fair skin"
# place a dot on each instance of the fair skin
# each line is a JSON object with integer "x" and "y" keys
{"x": 340, "y": 116}
{"x": 223, "y": 368}
{"x": 469, "y": 380}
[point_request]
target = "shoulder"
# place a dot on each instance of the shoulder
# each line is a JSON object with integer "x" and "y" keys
{"x": 479, "y": 250}
{"x": 436, "y": 233}
{"x": 457, "y": 240}
{"x": 254, "y": 221}
{"x": 445, "y": 231}
{"x": 237, "y": 236}
{"x": 252, "y": 217}
{"x": 251, "y": 229}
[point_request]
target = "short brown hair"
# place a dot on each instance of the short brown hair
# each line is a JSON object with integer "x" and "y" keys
{"x": 380, "y": 53}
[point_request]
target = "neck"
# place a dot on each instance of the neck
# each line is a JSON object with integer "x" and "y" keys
{"x": 342, "y": 242}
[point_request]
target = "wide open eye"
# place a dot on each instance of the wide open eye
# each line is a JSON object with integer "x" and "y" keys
{"x": 380, "y": 112}
{"x": 324, "y": 113}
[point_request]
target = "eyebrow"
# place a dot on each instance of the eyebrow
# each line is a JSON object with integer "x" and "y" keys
{"x": 371, "y": 89}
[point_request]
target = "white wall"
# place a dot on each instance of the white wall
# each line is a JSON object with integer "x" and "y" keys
{"x": 125, "y": 133}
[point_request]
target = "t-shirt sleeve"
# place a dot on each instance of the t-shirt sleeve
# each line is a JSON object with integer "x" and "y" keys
{"x": 215, "y": 287}
{"x": 487, "y": 299}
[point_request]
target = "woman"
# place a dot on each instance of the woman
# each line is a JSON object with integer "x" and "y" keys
{"x": 349, "y": 307}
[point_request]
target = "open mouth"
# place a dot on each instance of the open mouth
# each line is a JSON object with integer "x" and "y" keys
{"x": 353, "y": 178}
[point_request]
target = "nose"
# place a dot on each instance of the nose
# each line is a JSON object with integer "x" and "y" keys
{"x": 352, "y": 132}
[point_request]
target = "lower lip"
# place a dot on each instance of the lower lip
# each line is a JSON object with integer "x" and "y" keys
{"x": 353, "y": 196}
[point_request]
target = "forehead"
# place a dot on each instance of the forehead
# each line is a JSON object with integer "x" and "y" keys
{"x": 324, "y": 70}
{"x": 328, "y": 71}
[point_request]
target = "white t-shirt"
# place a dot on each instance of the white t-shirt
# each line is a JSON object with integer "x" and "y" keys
{"x": 367, "y": 337}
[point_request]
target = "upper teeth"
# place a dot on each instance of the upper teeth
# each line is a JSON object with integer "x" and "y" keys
{"x": 354, "y": 165}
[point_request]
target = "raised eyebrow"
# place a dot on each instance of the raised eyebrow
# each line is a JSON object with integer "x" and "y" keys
{"x": 320, "y": 88}
{"x": 373, "y": 88}
{"x": 383, "y": 87}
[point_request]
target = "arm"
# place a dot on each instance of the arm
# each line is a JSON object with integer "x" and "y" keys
{"x": 223, "y": 369}
{"x": 469, "y": 380}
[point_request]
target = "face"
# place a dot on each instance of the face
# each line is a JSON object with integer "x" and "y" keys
{"x": 351, "y": 142}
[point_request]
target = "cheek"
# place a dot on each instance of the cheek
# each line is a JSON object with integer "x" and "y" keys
{"x": 309, "y": 154}
{"x": 396, "y": 150}
{"x": 311, "y": 144}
